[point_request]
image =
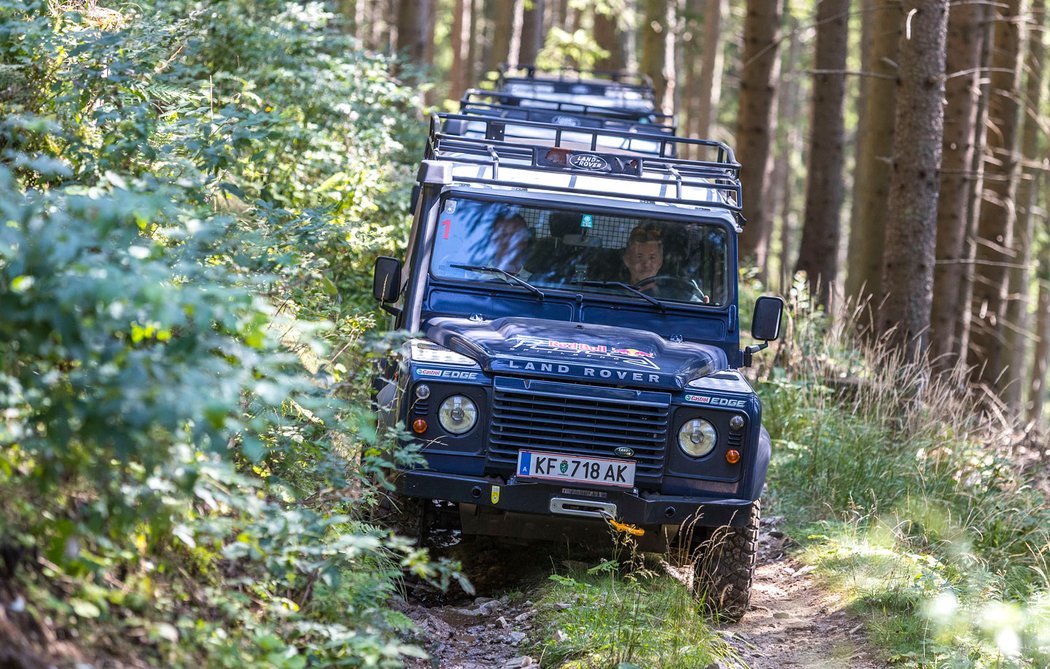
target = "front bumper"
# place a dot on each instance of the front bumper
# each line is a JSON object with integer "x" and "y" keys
{"x": 642, "y": 509}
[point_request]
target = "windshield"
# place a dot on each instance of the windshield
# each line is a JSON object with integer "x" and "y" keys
{"x": 584, "y": 252}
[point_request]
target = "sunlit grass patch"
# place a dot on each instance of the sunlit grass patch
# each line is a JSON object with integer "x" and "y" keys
{"x": 599, "y": 618}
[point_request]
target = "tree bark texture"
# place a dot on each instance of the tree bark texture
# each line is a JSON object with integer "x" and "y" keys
{"x": 500, "y": 15}
{"x": 460, "y": 74}
{"x": 911, "y": 227}
{"x": 995, "y": 227}
{"x": 789, "y": 152}
{"x": 875, "y": 141}
{"x": 532, "y": 32}
{"x": 759, "y": 70}
{"x": 962, "y": 66}
{"x": 415, "y": 31}
{"x": 607, "y": 35}
{"x": 658, "y": 51}
{"x": 819, "y": 248}
{"x": 709, "y": 83}
{"x": 1018, "y": 335}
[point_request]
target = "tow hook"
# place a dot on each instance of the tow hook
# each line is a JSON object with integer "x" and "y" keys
{"x": 624, "y": 528}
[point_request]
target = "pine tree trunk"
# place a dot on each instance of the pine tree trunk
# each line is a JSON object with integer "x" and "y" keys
{"x": 1041, "y": 357}
{"x": 607, "y": 35}
{"x": 532, "y": 32}
{"x": 995, "y": 228}
{"x": 1020, "y": 275}
{"x": 500, "y": 15}
{"x": 759, "y": 71}
{"x": 872, "y": 173}
{"x": 459, "y": 75}
{"x": 658, "y": 51}
{"x": 819, "y": 249}
{"x": 517, "y": 24}
{"x": 911, "y": 226}
{"x": 709, "y": 84}
{"x": 415, "y": 26}
{"x": 789, "y": 152}
{"x": 966, "y": 32}
{"x": 474, "y": 47}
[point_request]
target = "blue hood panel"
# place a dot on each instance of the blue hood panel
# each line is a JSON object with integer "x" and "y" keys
{"x": 577, "y": 351}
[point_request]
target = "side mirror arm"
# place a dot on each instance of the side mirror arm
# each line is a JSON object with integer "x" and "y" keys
{"x": 391, "y": 309}
{"x": 750, "y": 351}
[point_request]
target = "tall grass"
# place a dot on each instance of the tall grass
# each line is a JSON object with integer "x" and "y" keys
{"x": 924, "y": 511}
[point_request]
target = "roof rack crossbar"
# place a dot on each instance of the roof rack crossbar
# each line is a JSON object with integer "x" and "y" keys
{"x": 510, "y": 150}
{"x": 724, "y": 159}
{"x": 513, "y": 100}
{"x": 733, "y": 207}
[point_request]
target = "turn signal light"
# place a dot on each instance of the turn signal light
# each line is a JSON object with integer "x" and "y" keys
{"x": 732, "y": 456}
{"x": 419, "y": 426}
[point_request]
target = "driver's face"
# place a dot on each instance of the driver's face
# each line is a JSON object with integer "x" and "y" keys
{"x": 643, "y": 259}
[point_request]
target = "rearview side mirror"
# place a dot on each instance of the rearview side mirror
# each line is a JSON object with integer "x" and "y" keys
{"x": 765, "y": 325}
{"x": 386, "y": 279}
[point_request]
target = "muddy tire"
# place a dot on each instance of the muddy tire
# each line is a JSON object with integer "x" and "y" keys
{"x": 725, "y": 568}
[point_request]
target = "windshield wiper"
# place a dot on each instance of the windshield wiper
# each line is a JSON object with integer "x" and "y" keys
{"x": 503, "y": 273}
{"x": 628, "y": 287}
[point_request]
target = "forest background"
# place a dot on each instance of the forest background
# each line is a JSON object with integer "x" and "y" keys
{"x": 193, "y": 194}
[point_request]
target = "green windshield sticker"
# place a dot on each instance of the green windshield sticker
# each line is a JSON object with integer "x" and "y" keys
{"x": 587, "y": 221}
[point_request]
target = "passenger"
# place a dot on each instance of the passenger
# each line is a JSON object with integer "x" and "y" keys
{"x": 511, "y": 238}
{"x": 644, "y": 256}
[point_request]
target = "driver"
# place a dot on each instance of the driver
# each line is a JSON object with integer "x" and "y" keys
{"x": 644, "y": 256}
{"x": 511, "y": 238}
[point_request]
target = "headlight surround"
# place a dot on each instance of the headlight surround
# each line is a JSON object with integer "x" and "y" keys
{"x": 458, "y": 414}
{"x": 697, "y": 437}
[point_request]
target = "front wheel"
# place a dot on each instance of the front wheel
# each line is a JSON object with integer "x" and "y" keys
{"x": 725, "y": 568}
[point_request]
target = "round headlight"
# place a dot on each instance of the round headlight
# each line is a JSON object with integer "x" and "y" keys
{"x": 457, "y": 414}
{"x": 697, "y": 437}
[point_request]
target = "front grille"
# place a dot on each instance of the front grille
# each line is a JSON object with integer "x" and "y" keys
{"x": 579, "y": 420}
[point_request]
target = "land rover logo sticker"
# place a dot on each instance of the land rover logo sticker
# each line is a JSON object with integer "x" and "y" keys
{"x": 588, "y": 161}
{"x": 624, "y": 452}
{"x": 566, "y": 120}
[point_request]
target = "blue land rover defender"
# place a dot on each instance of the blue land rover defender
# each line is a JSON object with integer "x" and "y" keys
{"x": 573, "y": 287}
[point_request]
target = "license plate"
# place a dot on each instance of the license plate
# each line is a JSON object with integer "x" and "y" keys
{"x": 576, "y": 468}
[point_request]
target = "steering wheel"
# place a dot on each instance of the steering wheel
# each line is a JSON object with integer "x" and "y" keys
{"x": 673, "y": 287}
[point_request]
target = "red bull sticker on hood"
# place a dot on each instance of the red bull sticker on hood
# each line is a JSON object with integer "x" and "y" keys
{"x": 583, "y": 350}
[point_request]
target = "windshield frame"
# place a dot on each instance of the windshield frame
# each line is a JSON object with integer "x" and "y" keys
{"x": 597, "y": 206}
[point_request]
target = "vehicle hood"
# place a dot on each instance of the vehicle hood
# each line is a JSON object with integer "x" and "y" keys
{"x": 577, "y": 351}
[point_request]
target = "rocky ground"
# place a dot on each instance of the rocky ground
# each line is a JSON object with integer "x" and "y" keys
{"x": 793, "y": 623}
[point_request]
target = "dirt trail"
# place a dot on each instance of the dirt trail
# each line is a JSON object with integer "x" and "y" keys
{"x": 792, "y": 624}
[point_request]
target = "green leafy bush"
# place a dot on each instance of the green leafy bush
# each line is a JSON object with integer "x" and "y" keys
{"x": 191, "y": 194}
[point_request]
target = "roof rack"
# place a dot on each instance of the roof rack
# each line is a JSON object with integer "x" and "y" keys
{"x": 579, "y": 160}
{"x": 575, "y": 74}
{"x": 524, "y": 82}
{"x": 475, "y": 96}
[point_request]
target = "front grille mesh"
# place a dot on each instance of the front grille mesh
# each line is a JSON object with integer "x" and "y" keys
{"x": 557, "y": 418}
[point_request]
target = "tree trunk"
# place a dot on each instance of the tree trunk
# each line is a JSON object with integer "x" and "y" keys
{"x": 1041, "y": 357}
{"x": 962, "y": 65}
{"x": 474, "y": 46}
{"x": 872, "y": 173}
{"x": 995, "y": 228}
{"x": 459, "y": 75}
{"x": 517, "y": 24}
{"x": 911, "y": 226}
{"x": 759, "y": 70}
{"x": 500, "y": 15}
{"x": 709, "y": 85}
{"x": 1018, "y": 335}
{"x": 532, "y": 32}
{"x": 819, "y": 250}
{"x": 607, "y": 35}
{"x": 790, "y": 152}
{"x": 658, "y": 51}
{"x": 415, "y": 31}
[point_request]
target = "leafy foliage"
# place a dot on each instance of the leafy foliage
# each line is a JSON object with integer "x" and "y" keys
{"x": 190, "y": 198}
